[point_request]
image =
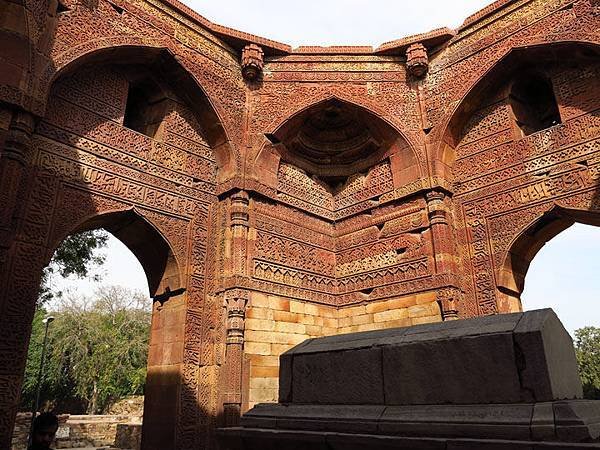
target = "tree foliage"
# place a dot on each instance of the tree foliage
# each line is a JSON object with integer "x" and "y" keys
{"x": 97, "y": 349}
{"x": 587, "y": 349}
{"x": 77, "y": 255}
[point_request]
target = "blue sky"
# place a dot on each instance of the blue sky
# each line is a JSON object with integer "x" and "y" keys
{"x": 565, "y": 273}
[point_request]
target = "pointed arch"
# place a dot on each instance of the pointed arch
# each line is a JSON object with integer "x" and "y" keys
{"x": 143, "y": 239}
{"x": 155, "y": 54}
{"x": 512, "y": 63}
{"x": 333, "y": 136}
{"x": 530, "y": 240}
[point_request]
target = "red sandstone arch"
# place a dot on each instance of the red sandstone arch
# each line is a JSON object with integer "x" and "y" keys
{"x": 515, "y": 58}
{"x": 142, "y": 238}
{"x": 394, "y": 144}
{"x": 154, "y": 53}
{"x": 163, "y": 270}
{"x": 530, "y": 240}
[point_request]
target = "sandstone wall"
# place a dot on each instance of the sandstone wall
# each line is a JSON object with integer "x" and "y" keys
{"x": 275, "y": 324}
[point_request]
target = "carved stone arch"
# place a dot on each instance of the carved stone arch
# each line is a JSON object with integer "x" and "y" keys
{"x": 386, "y": 137}
{"x": 510, "y": 62}
{"x": 157, "y": 53}
{"x": 143, "y": 238}
{"x": 529, "y": 241}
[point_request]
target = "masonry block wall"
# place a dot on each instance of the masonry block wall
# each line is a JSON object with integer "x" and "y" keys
{"x": 293, "y": 193}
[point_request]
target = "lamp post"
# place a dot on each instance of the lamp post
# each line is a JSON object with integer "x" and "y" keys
{"x": 46, "y": 321}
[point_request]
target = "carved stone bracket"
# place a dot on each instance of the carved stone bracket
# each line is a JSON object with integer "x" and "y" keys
{"x": 252, "y": 62}
{"x": 448, "y": 299}
{"x": 417, "y": 61}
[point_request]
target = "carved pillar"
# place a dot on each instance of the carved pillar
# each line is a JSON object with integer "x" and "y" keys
{"x": 12, "y": 167}
{"x": 20, "y": 268}
{"x": 239, "y": 233}
{"x": 235, "y": 300}
{"x": 444, "y": 251}
{"x": 235, "y": 305}
{"x": 441, "y": 232}
{"x": 252, "y": 62}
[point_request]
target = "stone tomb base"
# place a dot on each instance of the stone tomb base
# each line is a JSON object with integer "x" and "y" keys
{"x": 500, "y": 382}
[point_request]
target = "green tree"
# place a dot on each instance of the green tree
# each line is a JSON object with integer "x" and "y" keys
{"x": 77, "y": 255}
{"x": 587, "y": 349}
{"x": 97, "y": 349}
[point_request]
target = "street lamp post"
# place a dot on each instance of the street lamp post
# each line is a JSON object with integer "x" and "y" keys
{"x": 38, "y": 389}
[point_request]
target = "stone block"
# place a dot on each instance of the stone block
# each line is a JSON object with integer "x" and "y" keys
{"x": 264, "y": 360}
{"x": 306, "y": 320}
{"x": 331, "y": 377}
{"x": 352, "y": 311}
{"x": 297, "y": 307}
{"x": 258, "y": 348}
{"x": 388, "y": 316}
{"x": 259, "y": 300}
{"x": 260, "y": 313}
{"x": 264, "y": 372}
{"x": 260, "y": 325}
{"x": 264, "y": 383}
{"x": 279, "y": 303}
{"x": 285, "y": 316}
{"x": 426, "y": 297}
{"x": 512, "y": 358}
{"x": 314, "y": 330}
{"x": 290, "y": 327}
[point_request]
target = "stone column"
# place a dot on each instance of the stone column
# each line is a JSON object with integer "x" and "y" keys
{"x": 20, "y": 268}
{"x": 235, "y": 305}
{"x": 12, "y": 167}
{"x": 239, "y": 233}
{"x": 441, "y": 231}
{"x": 235, "y": 300}
{"x": 444, "y": 251}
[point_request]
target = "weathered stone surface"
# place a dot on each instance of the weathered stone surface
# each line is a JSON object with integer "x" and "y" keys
{"x": 522, "y": 357}
{"x": 255, "y": 439}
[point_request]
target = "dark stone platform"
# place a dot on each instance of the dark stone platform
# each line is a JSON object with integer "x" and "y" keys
{"x": 499, "y": 382}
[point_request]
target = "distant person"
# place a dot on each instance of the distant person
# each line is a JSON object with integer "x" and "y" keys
{"x": 44, "y": 430}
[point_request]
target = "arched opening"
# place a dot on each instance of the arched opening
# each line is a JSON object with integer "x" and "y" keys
{"x": 155, "y": 81}
{"x": 533, "y": 103}
{"x": 145, "y": 242}
{"x": 522, "y": 94}
{"x": 97, "y": 292}
{"x": 164, "y": 334}
{"x": 333, "y": 140}
{"x": 563, "y": 275}
{"x": 511, "y": 276}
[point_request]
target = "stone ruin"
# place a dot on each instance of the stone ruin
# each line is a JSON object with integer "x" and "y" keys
{"x": 286, "y": 193}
